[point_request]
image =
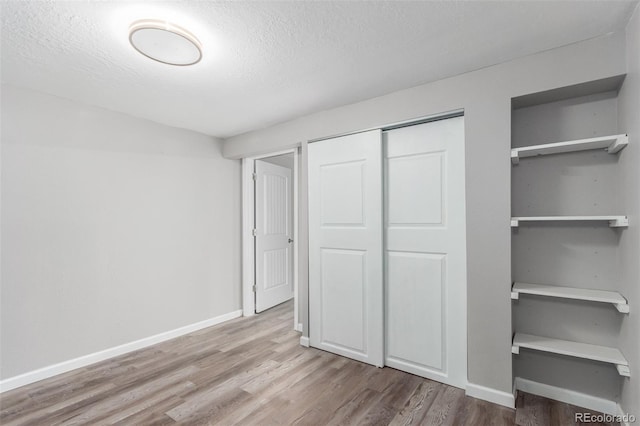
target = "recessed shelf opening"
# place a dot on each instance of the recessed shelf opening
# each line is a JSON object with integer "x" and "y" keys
{"x": 578, "y": 183}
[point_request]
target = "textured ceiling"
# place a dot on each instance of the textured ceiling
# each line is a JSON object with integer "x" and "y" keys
{"x": 267, "y": 62}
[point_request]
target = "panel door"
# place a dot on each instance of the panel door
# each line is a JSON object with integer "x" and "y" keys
{"x": 425, "y": 253}
{"x": 274, "y": 248}
{"x": 345, "y": 246}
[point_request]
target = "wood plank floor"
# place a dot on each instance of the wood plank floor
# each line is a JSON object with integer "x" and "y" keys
{"x": 252, "y": 371}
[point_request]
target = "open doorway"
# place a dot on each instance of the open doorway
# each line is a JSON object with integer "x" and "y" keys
{"x": 270, "y": 187}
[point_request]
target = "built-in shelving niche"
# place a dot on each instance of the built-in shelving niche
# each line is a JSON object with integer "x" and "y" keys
{"x": 566, "y": 223}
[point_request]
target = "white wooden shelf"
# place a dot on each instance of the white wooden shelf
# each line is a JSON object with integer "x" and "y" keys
{"x": 614, "y": 221}
{"x": 603, "y": 296}
{"x": 575, "y": 349}
{"x": 612, "y": 144}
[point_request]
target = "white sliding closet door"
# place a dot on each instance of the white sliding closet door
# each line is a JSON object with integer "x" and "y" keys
{"x": 345, "y": 246}
{"x": 425, "y": 251}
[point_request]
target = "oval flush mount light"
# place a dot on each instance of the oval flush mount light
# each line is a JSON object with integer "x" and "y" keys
{"x": 165, "y": 42}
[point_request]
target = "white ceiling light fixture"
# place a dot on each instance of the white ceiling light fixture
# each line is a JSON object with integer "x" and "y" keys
{"x": 165, "y": 42}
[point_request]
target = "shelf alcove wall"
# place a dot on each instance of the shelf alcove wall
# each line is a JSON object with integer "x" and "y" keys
{"x": 580, "y": 254}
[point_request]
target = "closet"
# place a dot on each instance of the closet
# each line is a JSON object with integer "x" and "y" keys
{"x": 387, "y": 251}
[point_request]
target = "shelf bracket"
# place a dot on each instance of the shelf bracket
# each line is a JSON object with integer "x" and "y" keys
{"x": 623, "y": 370}
{"x": 620, "y": 222}
{"x": 515, "y": 295}
{"x": 515, "y": 158}
{"x": 622, "y": 307}
{"x": 620, "y": 142}
{"x": 514, "y": 223}
{"x": 515, "y": 350}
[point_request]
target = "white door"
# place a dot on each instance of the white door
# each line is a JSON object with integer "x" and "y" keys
{"x": 425, "y": 251}
{"x": 345, "y": 246}
{"x": 274, "y": 248}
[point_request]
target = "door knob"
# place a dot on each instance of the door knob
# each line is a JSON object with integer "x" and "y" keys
{"x": 290, "y": 240}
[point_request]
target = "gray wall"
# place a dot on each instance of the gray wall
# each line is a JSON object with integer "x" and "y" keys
{"x": 629, "y": 121}
{"x": 485, "y": 96}
{"x": 579, "y": 255}
{"x": 113, "y": 229}
{"x": 284, "y": 160}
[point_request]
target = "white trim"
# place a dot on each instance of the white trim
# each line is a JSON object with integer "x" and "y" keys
{"x": 304, "y": 341}
{"x": 296, "y": 171}
{"x": 505, "y": 399}
{"x": 248, "y": 300}
{"x": 248, "y": 211}
{"x": 299, "y": 327}
{"x": 304, "y": 196}
{"x": 83, "y": 361}
{"x": 566, "y": 395}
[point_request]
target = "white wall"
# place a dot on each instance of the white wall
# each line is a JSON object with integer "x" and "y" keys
{"x": 113, "y": 229}
{"x": 629, "y": 121}
{"x": 485, "y": 96}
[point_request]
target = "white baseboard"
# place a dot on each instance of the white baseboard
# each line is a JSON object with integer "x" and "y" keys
{"x": 492, "y": 395}
{"x": 566, "y": 395}
{"x": 83, "y": 361}
{"x": 304, "y": 341}
{"x": 299, "y": 327}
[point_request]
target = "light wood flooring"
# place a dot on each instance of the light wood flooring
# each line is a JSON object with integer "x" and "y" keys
{"x": 252, "y": 371}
